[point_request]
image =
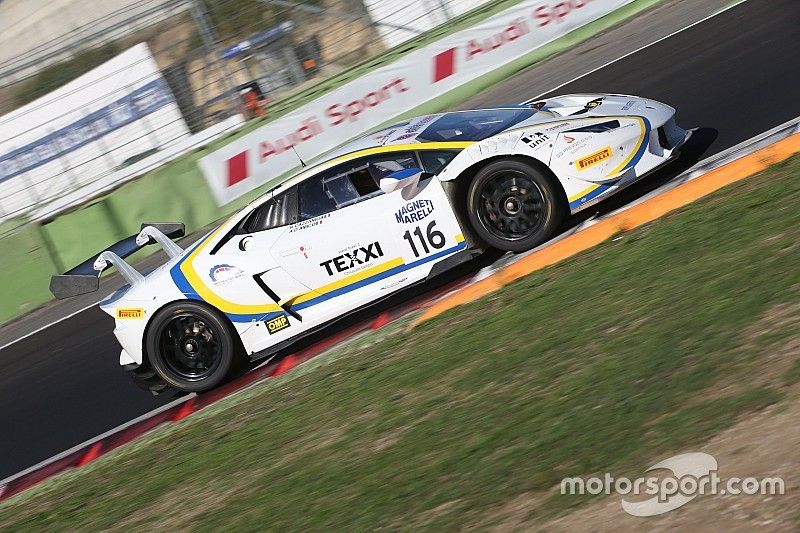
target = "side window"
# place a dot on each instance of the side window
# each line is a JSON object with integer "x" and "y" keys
{"x": 434, "y": 161}
{"x": 382, "y": 165}
{"x": 314, "y": 200}
{"x": 349, "y": 183}
{"x": 275, "y": 212}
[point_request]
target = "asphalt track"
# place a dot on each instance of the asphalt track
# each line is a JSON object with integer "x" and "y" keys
{"x": 734, "y": 76}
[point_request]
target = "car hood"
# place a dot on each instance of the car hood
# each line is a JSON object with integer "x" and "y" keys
{"x": 574, "y": 106}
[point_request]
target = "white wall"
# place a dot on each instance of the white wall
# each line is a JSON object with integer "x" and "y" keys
{"x": 104, "y": 91}
{"x": 417, "y": 15}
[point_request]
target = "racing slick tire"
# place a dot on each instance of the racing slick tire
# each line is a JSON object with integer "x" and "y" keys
{"x": 514, "y": 206}
{"x": 191, "y": 347}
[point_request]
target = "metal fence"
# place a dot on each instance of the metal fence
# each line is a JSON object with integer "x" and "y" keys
{"x": 221, "y": 61}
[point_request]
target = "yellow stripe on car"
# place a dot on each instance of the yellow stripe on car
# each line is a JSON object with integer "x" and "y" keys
{"x": 582, "y": 193}
{"x": 631, "y": 155}
{"x": 205, "y": 292}
{"x": 349, "y": 280}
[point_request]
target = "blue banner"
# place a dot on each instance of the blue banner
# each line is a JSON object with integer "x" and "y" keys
{"x": 128, "y": 109}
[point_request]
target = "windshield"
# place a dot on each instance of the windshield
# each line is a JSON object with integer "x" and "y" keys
{"x": 473, "y": 125}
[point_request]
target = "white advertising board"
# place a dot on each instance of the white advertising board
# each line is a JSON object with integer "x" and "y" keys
{"x": 70, "y": 138}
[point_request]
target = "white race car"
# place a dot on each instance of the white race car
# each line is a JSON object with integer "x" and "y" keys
{"x": 389, "y": 210}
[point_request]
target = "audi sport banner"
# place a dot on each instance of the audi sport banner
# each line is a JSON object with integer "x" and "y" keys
{"x": 369, "y": 101}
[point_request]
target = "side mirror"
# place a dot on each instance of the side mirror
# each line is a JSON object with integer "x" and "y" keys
{"x": 401, "y": 179}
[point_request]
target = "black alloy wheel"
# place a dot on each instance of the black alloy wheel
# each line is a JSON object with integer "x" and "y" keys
{"x": 514, "y": 206}
{"x": 191, "y": 347}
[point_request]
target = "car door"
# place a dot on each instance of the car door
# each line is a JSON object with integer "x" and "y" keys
{"x": 354, "y": 244}
{"x": 240, "y": 275}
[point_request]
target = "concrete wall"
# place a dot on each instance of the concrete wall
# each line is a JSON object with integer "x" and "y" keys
{"x": 31, "y": 29}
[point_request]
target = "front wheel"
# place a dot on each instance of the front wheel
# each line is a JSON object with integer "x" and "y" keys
{"x": 514, "y": 206}
{"x": 191, "y": 347}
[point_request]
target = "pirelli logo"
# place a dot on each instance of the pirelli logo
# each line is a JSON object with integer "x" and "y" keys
{"x": 593, "y": 158}
{"x": 124, "y": 313}
{"x": 277, "y": 324}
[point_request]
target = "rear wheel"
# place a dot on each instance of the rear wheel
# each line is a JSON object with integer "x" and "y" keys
{"x": 514, "y": 206}
{"x": 191, "y": 347}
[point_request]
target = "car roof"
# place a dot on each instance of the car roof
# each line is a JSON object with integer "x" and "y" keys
{"x": 396, "y": 137}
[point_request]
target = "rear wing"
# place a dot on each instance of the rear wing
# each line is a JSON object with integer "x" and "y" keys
{"x": 85, "y": 278}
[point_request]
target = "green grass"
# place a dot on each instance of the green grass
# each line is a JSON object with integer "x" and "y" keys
{"x": 792, "y": 375}
{"x": 26, "y": 269}
{"x": 637, "y": 349}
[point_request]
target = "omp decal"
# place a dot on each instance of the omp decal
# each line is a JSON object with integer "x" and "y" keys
{"x": 414, "y": 211}
{"x": 190, "y": 284}
{"x": 124, "y": 313}
{"x": 280, "y": 322}
{"x": 593, "y": 159}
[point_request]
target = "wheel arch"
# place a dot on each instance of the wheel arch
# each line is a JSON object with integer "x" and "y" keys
{"x": 468, "y": 173}
{"x": 459, "y": 185}
{"x": 231, "y": 328}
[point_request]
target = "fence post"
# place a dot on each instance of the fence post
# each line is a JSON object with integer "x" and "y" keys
{"x": 211, "y": 43}
{"x": 448, "y": 15}
{"x": 50, "y": 248}
{"x": 113, "y": 218}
